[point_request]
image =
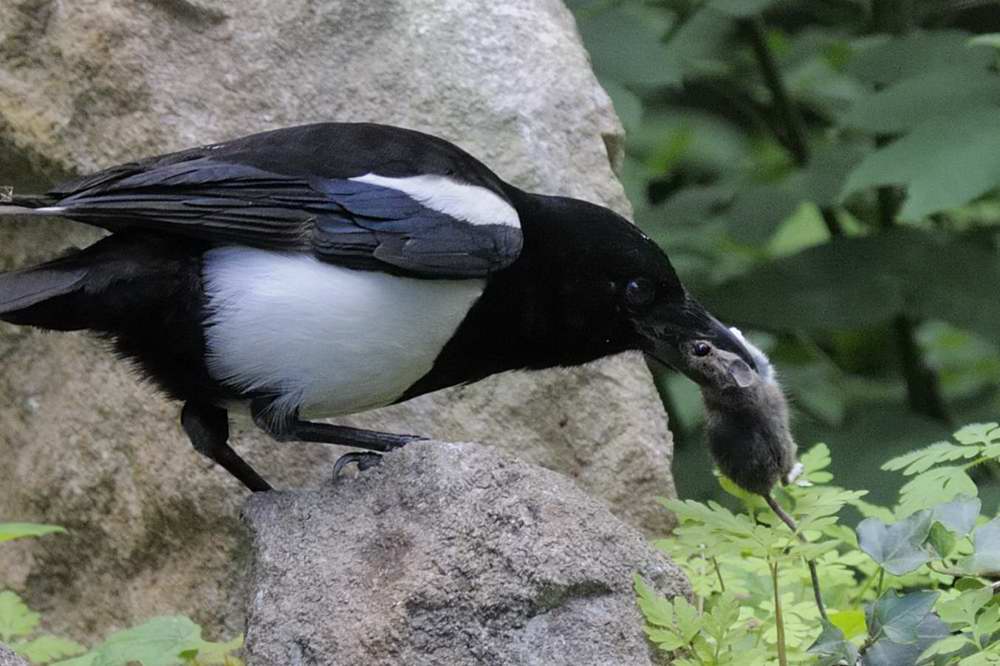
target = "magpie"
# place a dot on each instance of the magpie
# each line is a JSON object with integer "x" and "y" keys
{"x": 326, "y": 269}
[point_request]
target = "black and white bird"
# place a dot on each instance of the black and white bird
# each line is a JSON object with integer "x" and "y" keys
{"x": 327, "y": 269}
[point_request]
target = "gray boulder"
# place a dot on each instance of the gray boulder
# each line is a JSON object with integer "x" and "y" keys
{"x": 87, "y": 84}
{"x": 447, "y": 554}
{"x": 9, "y": 658}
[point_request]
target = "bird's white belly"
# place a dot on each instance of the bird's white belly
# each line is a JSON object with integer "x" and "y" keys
{"x": 326, "y": 340}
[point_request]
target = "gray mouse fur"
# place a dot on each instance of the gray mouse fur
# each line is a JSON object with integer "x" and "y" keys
{"x": 747, "y": 421}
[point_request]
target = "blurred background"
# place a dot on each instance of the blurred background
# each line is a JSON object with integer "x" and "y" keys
{"x": 824, "y": 174}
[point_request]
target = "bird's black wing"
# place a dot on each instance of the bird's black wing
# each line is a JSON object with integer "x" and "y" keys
{"x": 269, "y": 195}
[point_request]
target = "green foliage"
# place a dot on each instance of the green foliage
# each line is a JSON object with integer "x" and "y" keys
{"x": 904, "y": 587}
{"x": 934, "y": 482}
{"x": 820, "y": 170}
{"x": 161, "y": 641}
{"x": 11, "y": 531}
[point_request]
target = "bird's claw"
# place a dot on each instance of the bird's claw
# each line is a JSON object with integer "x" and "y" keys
{"x": 365, "y": 460}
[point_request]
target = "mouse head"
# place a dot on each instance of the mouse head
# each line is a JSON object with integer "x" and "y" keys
{"x": 717, "y": 371}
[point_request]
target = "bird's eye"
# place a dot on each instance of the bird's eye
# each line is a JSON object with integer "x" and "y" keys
{"x": 701, "y": 349}
{"x": 639, "y": 292}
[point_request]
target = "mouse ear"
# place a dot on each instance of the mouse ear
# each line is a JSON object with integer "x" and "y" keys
{"x": 740, "y": 373}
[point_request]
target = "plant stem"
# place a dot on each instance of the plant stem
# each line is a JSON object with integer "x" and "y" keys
{"x": 923, "y": 386}
{"x": 718, "y": 572}
{"x": 778, "y": 619}
{"x": 881, "y": 580}
{"x": 795, "y": 139}
{"x": 813, "y": 575}
{"x": 789, "y": 114}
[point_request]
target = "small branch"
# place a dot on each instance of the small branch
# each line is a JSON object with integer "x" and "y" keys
{"x": 923, "y": 386}
{"x": 778, "y": 618}
{"x": 813, "y": 574}
{"x": 830, "y": 220}
{"x": 718, "y": 572}
{"x": 796, "y": 137}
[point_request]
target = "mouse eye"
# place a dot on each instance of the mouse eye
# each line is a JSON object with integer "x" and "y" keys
{"x": 701, "y": 349}
{"x": 639, "y": 292}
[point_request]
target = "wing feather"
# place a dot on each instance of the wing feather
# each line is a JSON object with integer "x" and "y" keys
{"x": 340, "y": 220}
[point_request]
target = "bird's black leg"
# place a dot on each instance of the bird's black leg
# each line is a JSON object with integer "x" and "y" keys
{"x": 207, "y": 427}
{"x": 295, "y": 429}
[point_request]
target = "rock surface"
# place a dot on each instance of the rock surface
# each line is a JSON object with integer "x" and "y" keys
{"x": 8, "y": 658}
{"x": 86, "y": 84}
{"x": 447, "y": 554}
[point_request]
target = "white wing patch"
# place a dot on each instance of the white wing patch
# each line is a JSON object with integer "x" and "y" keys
{"x": 470, "y": 203}
{"x": 328, "y": 340}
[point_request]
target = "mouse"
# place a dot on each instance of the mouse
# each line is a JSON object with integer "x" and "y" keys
{"x": 746, "y": 416}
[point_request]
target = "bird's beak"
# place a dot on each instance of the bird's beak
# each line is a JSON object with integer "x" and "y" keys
{"x": 670, "y": 330}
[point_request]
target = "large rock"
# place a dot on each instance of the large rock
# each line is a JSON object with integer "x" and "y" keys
{"x": 447, "y": 554}
{"x": 8, "y": 658}
{"x": 90, "y": 83}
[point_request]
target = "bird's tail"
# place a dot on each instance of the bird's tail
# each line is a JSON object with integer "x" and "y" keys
{"x": 22, "y": 205}
{"x": 32, "y": 296}
{"x": 37, "y": 296}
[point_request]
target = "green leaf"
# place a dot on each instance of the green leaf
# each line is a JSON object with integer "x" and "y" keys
{"x": 934, "y": 486}
{"x": 986, "y": 559}
{"x": 851, "y": 622}
{"x": 958, "y": 515}
{"x": 941, "y": 540}
{"x": 209, "y": 652}
{"x": 886, "y": 652}
{"x": 11, "y": 531}
{"x": 962, "y": 609}
{"x": 48, "y": 648}
{"x": 944, "y": 163}
{"x": 157, "y": 642}
{"x": 655, "y": 608}
{"x": 627, "y": 48}
{"x": 937, "y": 94}
{"x": 923, "y": 459}
{"x": 831, "y": 647}
{"x": 822, "y": 180}
{"x": 863, "y": 282}
{"x": 989, "y": 39}
{"x": 16, "y": 619}
{"x": 688, "y": 619}
{"x": 897, "y": 548}
{"x": 898, "y": 58}
{"x": 816, "y": 459}
{"x": 899, "y": 617}
{"x": 979, "y": 433}
{"x": 757, "y": 211}
{"x": 946, "y": 646}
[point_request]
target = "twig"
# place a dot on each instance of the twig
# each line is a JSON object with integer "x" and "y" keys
{"x": 795, "y": 139}
{"x": 923, "y": 386}
{"x": 778, "y": 617}
{"x": 718, "y": 572}
{"x": 813, "y": 574}
{"x": 790, "y": 117}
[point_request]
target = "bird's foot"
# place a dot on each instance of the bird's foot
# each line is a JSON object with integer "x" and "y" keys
{"x": 365, "y": 460}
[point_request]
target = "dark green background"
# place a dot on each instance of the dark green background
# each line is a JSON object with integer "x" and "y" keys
{"x": 825, "y": 175}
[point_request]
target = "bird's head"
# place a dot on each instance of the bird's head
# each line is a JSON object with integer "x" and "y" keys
{"x": 617, "y": 288}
